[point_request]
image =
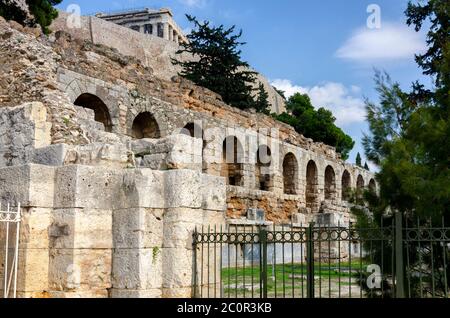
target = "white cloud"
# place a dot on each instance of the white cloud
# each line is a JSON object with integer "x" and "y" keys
{"x": 346, "y": 107}
{"x": 390, "y": 42}
{"x": 194, "y": 3}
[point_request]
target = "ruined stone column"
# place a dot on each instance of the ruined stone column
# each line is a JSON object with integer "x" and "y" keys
{"x": 166, "y": 31}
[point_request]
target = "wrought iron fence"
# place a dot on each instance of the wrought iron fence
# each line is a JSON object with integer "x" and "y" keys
{"x": 314, "y": 261}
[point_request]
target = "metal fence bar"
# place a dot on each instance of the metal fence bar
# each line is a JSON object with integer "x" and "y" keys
{"x": 399, "y": 265}
{"x": 5, "y": 274}
{"x": 310, "y": 261}
{"x": 263, "y": 238}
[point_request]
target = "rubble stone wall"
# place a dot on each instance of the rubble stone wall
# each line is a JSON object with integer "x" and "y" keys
{"x": 152, "y": 51}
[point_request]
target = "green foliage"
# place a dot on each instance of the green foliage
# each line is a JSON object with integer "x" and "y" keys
{"x": 42, "y": 10}
{"x": 436, "y": 61}
{"x": 11, "y": 12}
{"x": 318, "y": 125}
{"x": 358, "y": 160}
{"x": 217, "y": 64}
{"x": 262, "y": 104}
{"x": 366, "y": 166}
{"x": 410, "y": 140}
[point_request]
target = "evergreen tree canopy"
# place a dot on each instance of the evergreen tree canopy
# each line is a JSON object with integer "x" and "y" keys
{"x": 436, "y": 60}
{"x": 318, "y": 125}
{"x": 262, "y": 104}
{"x": 410, "y": 132}
{"x": 358, "y": 160}
{"x": 217, "y": 63}
{"x": 42, "y": 10}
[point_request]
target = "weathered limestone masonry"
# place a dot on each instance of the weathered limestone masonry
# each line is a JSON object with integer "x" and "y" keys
{"x": 152, "y": 51}
{"x": 90, "y": 145}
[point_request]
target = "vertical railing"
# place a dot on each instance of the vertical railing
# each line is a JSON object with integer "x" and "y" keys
{"x": 195, "y": 264}
{"x": 310, "y": 261}
{"x": 399, "y": 264}
{"x": 9, "y": 217}
{"x": 263, "y": 245}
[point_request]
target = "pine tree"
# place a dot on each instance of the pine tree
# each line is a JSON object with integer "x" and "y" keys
{"x": 262, "y": 104}
{"x": 409, "y": 141}
{"x": 358, "y": 160}
{"x": 217, "y": 63}
{"x": 42, "y": 11}
{"x": 366, "y": 166}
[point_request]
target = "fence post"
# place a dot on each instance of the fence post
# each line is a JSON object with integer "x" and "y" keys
{"x": 194, "y": 245}
{"x": 310, "y": 261}
{"x": 263, "y": 240}
{"x": 399, "y": 264}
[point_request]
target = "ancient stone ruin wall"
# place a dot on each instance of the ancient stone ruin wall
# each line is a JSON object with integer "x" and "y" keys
{"x": 152, "y": 51}
{"x": 111, "y": 188}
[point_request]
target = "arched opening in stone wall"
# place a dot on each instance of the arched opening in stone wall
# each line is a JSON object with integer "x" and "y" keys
{"x": 290, "y": 174}
{"x": 232, "y": 163}
{"x": 312, "y": 187}
{"x": 262, "y": 171}
{"x": 98, "y": 106}
{"x": 360, "y": 183}
{"x": 193, "y": 130}
{"x": 346, "y": 185}
{"x": 372, "y": 186}
{"x": 145, "y": 126}
{"x": 330, "y": 183}
{"x": 360, "y": 187}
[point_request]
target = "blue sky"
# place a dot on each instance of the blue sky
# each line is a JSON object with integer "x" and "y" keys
{"x": 323, "y": 48}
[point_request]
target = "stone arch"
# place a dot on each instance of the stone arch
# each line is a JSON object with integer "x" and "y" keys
{"x": 360, "y": 187}
{"x": 330, "y": 183}
{"x": 290, "y": 174}
{"x": 145, "y": 126}
{"x": 232, "y": 161}
{"x": 193, "y": 130}
{"x": 262, "y": 172}
{"x": 100, "y": 109}
{"x": 346, "y": 185}
{"x": 372, "y": 186}
{"x": 312, "y": 189}
{"x": 360, "y": 184}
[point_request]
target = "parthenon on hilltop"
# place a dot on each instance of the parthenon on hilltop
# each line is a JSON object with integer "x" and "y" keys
{"x": 153, "y": 22}
{"x": 116, "y": 159}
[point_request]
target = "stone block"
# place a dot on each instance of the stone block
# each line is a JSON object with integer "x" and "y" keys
{"x": 31, "y": 185}
{"x": 81, "y": 229}
{"x": 141, "y": 188}
{"x": 185, "y": 215}
{"x": 178, "y": 265}
{"x": 182, "y": 189}
{"x": 93, "y": 293}
{"x": 331, "y": 219}
{"x": 137, "y": 269}
{"x": 138, "y": 228}
{"x": 136, "y": 293}
{"x": 33, "y": 269}
{"x": 185, "y": 292}
{"x": 214, "y": 193}
{"x": 87, "y": 187}
{"x": 53, "y": 155}
{"x": 73, "y": 270}
{"x": 34, "y": 228}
